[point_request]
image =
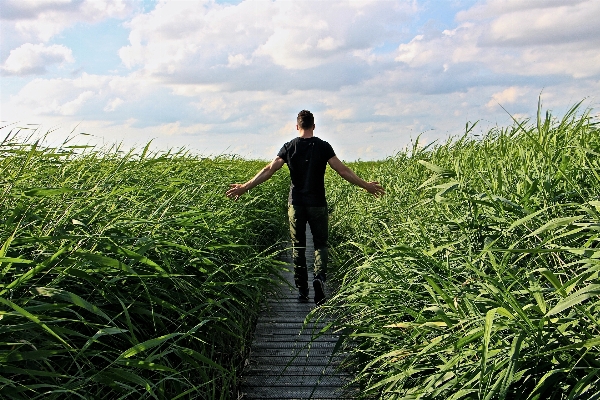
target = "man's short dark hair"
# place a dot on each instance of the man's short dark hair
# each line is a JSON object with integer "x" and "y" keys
{"x": 305, "y": 119}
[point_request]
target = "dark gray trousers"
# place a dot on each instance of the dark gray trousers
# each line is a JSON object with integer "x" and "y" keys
{"x": 318, "y": 219}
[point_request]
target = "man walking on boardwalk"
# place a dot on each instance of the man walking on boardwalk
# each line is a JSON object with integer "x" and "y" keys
{"x": 307, "y": 157}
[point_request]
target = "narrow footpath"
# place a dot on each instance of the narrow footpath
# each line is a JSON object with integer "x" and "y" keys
{"x": 288, "y": 360}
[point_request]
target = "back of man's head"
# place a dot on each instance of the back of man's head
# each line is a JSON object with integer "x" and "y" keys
{"x": 305, "y": 119}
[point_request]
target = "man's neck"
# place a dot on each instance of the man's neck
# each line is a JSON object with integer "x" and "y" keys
{"x": 305, "y": 133}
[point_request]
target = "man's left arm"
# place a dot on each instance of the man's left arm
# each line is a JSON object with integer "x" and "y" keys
{"x": 236, "y": 189}
{"x": 345, "y": 172}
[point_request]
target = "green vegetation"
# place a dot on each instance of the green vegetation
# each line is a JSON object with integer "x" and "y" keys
{"x": 476, "y": 277}
{"x": 127, "y": 275}
{"x": 131, "y": 275}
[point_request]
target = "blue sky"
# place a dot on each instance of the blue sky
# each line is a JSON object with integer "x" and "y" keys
{"x": 230, "y": 76}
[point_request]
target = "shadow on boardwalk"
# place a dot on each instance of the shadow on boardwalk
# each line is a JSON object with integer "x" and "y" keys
{"x": 288, "y": 360}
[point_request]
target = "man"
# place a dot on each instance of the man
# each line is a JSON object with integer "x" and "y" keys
{"x": 307, "y": 157}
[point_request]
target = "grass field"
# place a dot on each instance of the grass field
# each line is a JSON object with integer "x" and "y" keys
{"x": 476, "y": 277}
{"x": 131, "y": 275}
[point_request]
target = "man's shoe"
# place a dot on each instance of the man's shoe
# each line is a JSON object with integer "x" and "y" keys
{"x": 319, "y": 286}
{"x": 303, "y": 295}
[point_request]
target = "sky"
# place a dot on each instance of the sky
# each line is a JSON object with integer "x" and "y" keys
{"x": 229, "y": 77}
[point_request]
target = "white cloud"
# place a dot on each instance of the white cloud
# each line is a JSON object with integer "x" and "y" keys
{"x": 368, "y": 56}
{"x": 176, "y": 33}
{"x": 566, "y": 23}
{"x": 506, "y": 96}
{"x": 71, "y": 107}
{"x": 52, "y": 97}
{"x": 195, "y": 42}
{"x": 535, "y": 38}
{"x": 329, "y": 43}
{"x": 304, "y": 37}
{"x": 515, "y": 37}
{"x": 113, "y": 104}
{"x": 492, "y": 8}
{"x": 238, "y": 60}
{"x": 176, "y": 129}
{"x": 62, "y": 96}
{"x": 33, "y": 59}
{"x": 337, "y": 114}
{"x": 230, "y": 78}
{"x": 43, "y": 19}
{"x": 414, "y": 53}
{"x": 256, "y": 124}
{"x": 287, "y": 130}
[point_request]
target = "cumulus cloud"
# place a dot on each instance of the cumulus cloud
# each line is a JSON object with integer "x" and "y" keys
{"x": 43, "y": 19}
{"x": 71, "y": 107}
{"x": 566, "y": 23}
{"x": 221, "y": 77}
{"x": 53, "y": 96}
{"x": 338, "y": 114}
{"x": 415, "y": 54}
{"x": 237, "y": 61}
{"x": 178, "y": 32}
{"x": 262, "y": 45}
{"x": 507, "y": 96}
{"x": 83, "y": 96}
{"x": 536, "y": 38}
{"x": 33, "y": 59}
{"x": 113, "y": 104}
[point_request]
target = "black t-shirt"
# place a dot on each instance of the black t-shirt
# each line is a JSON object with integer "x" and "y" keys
{"x": 307, "y": 160}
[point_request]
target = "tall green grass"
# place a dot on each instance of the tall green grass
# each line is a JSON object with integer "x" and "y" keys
{"x": 476, "y": 276}
{"x": 128, "y": 274}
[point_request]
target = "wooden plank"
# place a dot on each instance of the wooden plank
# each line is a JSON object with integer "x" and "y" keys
{"x": 293, "y": 345}
{"x": 289, "y": 325}
{"x": 298, "y": 362}
{"x": 299, "y": 392}
{"x": 292, "y": 332}
{"x": 292, "y": 337}
{"x": 277, "y": 370}
{"x": 335, "y": 381}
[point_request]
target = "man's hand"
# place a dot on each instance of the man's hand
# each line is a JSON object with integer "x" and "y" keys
{"x": 375, "y": 189}
{"x": 235, "y": 191}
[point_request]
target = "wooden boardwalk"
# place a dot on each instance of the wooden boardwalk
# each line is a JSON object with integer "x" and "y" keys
{"x": 288, "y": 359}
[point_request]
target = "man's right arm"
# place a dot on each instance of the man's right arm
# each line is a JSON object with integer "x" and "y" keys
{"x": 236, "y": 189}
{"x": 345, "y": 172}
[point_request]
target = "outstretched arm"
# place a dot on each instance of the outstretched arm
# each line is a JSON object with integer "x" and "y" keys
{"x": 236, "y": 189}
{"x": 372, "y": 187}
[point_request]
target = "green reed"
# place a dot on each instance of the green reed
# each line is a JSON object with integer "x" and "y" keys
{"x": 476, "y": 276}
{"x": 128, "y": 274}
